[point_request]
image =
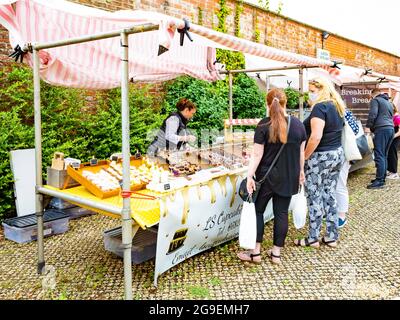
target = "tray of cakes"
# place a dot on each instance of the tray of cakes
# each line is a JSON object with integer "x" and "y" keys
{"x": 222, "y": 158}
{"x": 184, "y": 167}
{"x": 104, "y": 179}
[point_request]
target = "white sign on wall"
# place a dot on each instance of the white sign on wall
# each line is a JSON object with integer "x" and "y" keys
{"x": 323, "y": 54}
{"x": 197, "y": 219}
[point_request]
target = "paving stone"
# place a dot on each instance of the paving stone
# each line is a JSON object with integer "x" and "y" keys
{"x": 366, "y": 265}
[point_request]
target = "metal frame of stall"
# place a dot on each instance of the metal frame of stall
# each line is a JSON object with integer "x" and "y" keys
{"x": 125, "y": 213}
{"x": 301, "y": 83}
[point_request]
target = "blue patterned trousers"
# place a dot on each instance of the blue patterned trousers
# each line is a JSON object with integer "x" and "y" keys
{"x": 322, "y": 173}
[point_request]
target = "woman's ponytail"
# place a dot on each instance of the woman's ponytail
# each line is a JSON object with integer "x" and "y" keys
{"x": 277, "y": 100}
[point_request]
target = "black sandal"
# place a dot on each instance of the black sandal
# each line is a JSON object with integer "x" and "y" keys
{"x": 251, "y": 256}
{"x": 328, "y": 243}
{"x": 306, "y": 242}
{"x": 271, "y": 255}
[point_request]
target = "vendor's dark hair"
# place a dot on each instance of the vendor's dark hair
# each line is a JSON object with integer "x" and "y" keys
{"x": 277, "y": 100}
{"x": 185, "y": 103}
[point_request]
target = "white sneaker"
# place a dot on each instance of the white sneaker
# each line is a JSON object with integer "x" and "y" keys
{"x": 394, "y": 176}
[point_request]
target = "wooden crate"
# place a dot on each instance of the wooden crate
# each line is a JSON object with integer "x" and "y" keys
{"x": 76, "y": 174}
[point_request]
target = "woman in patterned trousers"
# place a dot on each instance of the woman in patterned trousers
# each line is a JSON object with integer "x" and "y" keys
{"x": 324, "y": 159}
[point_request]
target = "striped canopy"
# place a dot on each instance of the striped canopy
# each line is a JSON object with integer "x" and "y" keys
{"x": 96, "y": 64}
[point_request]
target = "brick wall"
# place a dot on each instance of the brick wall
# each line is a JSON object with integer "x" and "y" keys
{"x": 275, "y": 30}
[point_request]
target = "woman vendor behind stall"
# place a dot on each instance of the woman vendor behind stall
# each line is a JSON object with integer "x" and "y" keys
{"x": 173, "y": 135}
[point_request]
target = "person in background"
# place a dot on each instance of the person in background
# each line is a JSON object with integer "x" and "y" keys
{"x": 173, "y": 134}
{"x": 324, "y": 156}
{"x": 380, "y": 122}
{"x": 394, "y": 147}
{"x": 342, "y": 192}
{"x": 269, "y": 136}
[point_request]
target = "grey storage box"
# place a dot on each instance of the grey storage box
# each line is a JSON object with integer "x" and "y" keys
{"x": 56, "y": 178}
{"x": 60, "y": 204}
{"x": 24, "y": 229}
{"x": 144, "y": 244}
{"x": 78, "y": 212}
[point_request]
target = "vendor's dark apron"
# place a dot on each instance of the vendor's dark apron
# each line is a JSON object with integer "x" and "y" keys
{"x": 160, "y": 142}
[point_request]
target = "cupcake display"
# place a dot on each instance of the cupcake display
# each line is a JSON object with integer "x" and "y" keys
{"x": 227, "y": 160}
{"x": 184, "y": 167}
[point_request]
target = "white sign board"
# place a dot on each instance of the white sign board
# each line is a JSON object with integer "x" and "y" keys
{"x": 323, "y": 54}
{"x": 196, "y": 219}
{"x": 23, "y": 168}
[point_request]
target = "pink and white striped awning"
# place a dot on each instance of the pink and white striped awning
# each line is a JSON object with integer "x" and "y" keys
{"x": 242, "y": 122}
{"x": 96, "y": 65}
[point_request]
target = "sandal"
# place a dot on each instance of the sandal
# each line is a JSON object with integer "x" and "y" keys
{"x": 249, "y": 255}
{"x": 272, "y": 256}
{"x": 306, "y": 243}
{"x": 330, "y": 243}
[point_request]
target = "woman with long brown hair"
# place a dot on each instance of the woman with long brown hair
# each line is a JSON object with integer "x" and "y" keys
{"x": 284, "y": 180}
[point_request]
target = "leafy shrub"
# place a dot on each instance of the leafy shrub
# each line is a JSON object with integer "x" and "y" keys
{"x": 13, "y": 135}
{"x": 248, "y": 100}
{"x": 70, "y": 124}
{"x": 293, "y": 97}
{"x": 211, "y": 101}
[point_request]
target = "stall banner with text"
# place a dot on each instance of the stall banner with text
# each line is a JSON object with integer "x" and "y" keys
{"x": 196, "y": 219}
{"x": 357, "y": 96}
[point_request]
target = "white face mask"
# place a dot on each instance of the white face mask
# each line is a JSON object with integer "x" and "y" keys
{"x": 313, "y": 96}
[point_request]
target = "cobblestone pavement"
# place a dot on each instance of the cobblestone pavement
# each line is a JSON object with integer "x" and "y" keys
{"x": 366, "y": 265}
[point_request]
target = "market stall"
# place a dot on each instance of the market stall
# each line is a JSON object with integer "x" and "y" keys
{"x": 280, "y": 75}
{"x": 195, "y": 204}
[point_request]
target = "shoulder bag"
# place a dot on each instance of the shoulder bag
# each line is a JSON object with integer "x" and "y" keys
{"x": 243, "y": 193}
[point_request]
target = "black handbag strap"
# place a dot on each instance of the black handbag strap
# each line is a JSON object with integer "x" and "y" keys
{"x": 277, "y": 156}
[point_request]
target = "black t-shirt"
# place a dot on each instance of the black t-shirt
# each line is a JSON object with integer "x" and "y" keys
{"x": 332, "y": 135}
{"x": 288, "y": 165}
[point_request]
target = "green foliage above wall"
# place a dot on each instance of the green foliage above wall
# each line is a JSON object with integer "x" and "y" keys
{"x": 200, "y": 16}
{"x": 238, "y": 12}
{"x": 222, "y": 13}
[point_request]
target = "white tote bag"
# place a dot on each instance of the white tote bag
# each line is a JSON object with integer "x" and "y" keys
{"x": 299, "y": 208}
{"x": 349, "y": 143}
{"x": 248, "y": 227}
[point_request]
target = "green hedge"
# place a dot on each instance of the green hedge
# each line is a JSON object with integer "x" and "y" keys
{"x": 212, "y": 100}
{"x": 70, "y": 123}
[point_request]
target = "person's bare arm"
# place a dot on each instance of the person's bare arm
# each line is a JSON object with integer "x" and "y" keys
{"x": 258, "y": 152}
{"x": 317, "y": 129}
{"x": 302, "y": 161}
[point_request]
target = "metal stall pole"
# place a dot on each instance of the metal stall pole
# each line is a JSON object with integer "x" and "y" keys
{"x": 230, "y": 75}
{"x": 126, "y": 210}
{"x": 38, "y": 161}
{"x": 301, "y": 100}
